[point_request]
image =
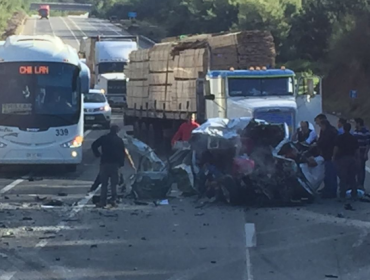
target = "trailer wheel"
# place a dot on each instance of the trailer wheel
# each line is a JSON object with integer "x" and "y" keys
{"x": 127, "y": 120}
{"x": 158, "y": 137}
{"x": 151, "y": 136}
{"x": 144, "y": 132}
{"x": 136, "y": 130}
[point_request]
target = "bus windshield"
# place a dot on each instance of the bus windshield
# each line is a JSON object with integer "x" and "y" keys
{"x": 39, "y": 94}
{"x": 261, "y": 87}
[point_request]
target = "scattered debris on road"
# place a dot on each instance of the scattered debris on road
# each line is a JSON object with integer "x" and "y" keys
{"x": 62, "y": 194}
{"x": 348, "y": 206}
{"x": 4, "y": 256}
{"x": 53, "y": 203}
{"x": 331, "y": 276}
{"x": 8, "y": 234}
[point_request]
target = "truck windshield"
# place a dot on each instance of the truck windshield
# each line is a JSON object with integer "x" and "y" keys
{"x": 111, "y": 67}
{"x": 260, "y": 86}
{"x": 117, "y": 87}
{"x": 39, "y": 94}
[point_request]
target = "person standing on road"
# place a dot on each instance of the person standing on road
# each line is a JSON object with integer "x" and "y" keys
{"x": 318, "y": 119}
{"x": 344, "y": 156}
{"x": 97, "y": 181}
{"x": 184, "y": 131}
{"x": 326, "y": 144}
{"x": 112, "y": 158}
{"x": 362, "y": 135}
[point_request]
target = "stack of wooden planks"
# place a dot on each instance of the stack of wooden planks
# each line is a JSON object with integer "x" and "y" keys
{"x": 164, "y": 77}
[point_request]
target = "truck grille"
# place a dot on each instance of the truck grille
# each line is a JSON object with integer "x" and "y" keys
{"x": 116, "y": 87}
{"x": 277, "y": 116}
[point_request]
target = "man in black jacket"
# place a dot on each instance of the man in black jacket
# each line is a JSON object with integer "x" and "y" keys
{"x": 112, "y": 158}
{"x": 326, "y": 143}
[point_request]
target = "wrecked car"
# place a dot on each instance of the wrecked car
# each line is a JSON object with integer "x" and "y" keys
{"x": 239, "y": 161}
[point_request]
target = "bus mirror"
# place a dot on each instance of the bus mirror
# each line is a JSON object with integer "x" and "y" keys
{"x": 209, "y": 97}
{"x": 84, "y": 78}
{"x": 203, "y": 87}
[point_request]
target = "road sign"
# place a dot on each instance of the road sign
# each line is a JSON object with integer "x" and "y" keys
{"x": 353, "y": 94}
{"x": 132, "y": 14}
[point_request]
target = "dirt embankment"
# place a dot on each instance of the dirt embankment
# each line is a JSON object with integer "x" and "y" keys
{"x": 14, "y": 24}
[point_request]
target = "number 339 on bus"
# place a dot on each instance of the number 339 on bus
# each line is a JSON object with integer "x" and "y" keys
{"x": 61, "y": 132}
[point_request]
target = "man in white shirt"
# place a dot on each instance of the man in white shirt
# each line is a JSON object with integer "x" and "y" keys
{"x": 314, "y": 169}
{"x": 305, "y": 133}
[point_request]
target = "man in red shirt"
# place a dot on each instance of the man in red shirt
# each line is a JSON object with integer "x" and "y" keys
{"x": 184, "y": 131}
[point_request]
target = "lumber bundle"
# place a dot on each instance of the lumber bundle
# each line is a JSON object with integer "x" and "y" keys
{"x": 169, "y": 70}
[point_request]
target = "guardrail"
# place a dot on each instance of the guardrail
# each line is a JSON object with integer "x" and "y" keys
{"x": 147, "y": 39}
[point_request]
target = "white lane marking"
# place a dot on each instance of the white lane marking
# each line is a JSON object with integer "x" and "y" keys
{"x": 109, "y": 25}
{"x": 70, "y": 30}
{"x": 250, "y": 241}
{"x": 87, "y": 132}
{"x": 34, "y": 26}
{"x": 80, "y": 205}
{"x": 249, "y": 265}
{"x": 7, "y": 275}
{"x": 84, "y": 34}
{"x": 361, "y": 238}
{"x": 103, "y": 25}
{"x": 11, "y": 185}
{"x": 51, "y": 26}
{"x": 250, "y": 235}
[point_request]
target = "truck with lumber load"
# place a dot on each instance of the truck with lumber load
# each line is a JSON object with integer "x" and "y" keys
{"x": 106, "y": 57}
{"x": 221, "y": 75}
{"x": 44, "y": 11}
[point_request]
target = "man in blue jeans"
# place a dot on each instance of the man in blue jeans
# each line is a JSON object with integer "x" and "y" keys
{"x": 326, "y": 143}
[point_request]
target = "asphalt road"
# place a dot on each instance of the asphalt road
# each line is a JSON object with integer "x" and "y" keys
{"x": 78, "y": 241}
{"x": 168, "y": 242}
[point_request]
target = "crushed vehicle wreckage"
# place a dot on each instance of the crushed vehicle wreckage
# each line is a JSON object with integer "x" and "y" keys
{"x": 240, "y": 161}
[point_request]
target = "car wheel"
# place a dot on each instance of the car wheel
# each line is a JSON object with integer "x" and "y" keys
{"x": 71, "y": 168}
{"x": 107, "y": 125}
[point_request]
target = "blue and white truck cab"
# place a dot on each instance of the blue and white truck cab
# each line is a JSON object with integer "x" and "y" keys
{"x": 261, "y": 93}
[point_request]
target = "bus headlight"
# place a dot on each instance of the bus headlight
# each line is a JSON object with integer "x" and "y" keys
{"x": 75, "y": 143}
{"x": 2, "y": 145}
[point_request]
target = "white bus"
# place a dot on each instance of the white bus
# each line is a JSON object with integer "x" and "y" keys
{"x": 42, "y": 82}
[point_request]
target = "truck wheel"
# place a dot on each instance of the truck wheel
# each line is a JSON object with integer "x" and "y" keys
{"x": 127, "y": 120}
{"x": 144, "y": 132}
{"x": 151, "y": 136}
{"x": 136, "y": 130}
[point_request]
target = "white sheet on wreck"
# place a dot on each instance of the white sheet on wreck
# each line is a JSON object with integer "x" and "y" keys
{"x": 229, "y": 128}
